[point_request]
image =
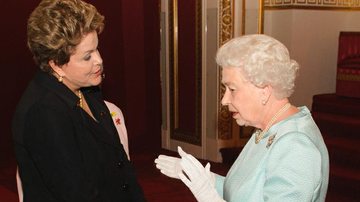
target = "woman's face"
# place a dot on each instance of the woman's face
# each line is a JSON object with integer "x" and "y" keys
{"x": 85, "y": 66}
{"x": 242, "y": 97}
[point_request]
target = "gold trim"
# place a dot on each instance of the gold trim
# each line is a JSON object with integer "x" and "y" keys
{"x": 243, "y": 17}
{"x": 348, "y": 77}
{"x": 313, "y": 4}
{"x": 226, "y": 27}
{"x": 310, "y": 8}
{"x": 192, "y": 137}
{"x": 261, "y": 17}
{"x": 226, "y": 32}
{"x": 176, "y": 75}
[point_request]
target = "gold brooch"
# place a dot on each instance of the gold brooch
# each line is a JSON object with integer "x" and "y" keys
{"x": 270, "y": 140}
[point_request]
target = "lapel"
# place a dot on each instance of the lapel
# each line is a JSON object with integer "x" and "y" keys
{"x": 104, "y": 129}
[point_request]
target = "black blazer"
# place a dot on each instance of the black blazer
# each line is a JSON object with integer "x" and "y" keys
{"x": 65, "y": 155}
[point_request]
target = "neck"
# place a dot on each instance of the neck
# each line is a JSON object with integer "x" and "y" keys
{"x": 275, "y": 117}
{"x": 270, "y": 109}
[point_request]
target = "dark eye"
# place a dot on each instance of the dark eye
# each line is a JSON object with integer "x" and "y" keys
{"x": 87, "y": 57}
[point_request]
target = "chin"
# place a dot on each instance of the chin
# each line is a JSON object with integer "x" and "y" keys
{"x": 96, "y": 82}
{"x": 241, "y": 122}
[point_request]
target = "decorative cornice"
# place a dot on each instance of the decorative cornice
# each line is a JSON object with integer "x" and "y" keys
{"x": 313, "y": 4}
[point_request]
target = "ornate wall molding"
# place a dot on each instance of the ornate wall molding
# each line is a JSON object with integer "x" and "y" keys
{"x": 226, "y": 25}
{"x": 313, "y": 4}
{"x": 226, "y": 32}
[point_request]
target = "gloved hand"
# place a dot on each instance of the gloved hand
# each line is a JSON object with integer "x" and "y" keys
{"x": 169, "y": 166}
{"x": 200, "y": 180}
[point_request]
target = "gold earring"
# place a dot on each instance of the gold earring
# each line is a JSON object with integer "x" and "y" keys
{"x": 60, "y": 79}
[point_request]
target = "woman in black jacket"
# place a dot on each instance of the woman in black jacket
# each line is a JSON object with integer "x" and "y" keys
{"x": 66, "y": 144}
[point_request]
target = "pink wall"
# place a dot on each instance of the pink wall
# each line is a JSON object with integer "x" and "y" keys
{"x": 129, "y": 46}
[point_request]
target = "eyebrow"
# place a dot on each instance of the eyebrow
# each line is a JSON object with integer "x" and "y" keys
{"x": 89, "y": 51}
{"x": 226, "y": 82}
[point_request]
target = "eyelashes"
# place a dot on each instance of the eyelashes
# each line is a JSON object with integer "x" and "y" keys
{"x": 88, "y": 56}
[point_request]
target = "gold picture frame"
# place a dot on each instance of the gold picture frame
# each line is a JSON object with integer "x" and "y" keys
{"x": 185, "y": 117}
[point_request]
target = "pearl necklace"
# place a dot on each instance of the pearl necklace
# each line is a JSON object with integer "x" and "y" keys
{"x": 80, "y": 99}
{"x": 259, "y": 134}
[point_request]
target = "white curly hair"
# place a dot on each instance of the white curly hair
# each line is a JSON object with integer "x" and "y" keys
{"x": 263, "y": 61}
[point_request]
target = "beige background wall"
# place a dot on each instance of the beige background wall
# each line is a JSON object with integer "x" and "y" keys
{"x": 312, "y": 39}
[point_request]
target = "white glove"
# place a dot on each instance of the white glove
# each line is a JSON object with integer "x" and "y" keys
{"x": 200, "y": 180}
{"x": 169, "y": 166}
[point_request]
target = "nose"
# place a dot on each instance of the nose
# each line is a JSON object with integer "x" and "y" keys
{"x": 226, "y": 98}
{"x": 98, "y": 59}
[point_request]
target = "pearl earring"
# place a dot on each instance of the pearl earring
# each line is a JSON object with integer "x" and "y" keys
{"x": 60, "y": 79}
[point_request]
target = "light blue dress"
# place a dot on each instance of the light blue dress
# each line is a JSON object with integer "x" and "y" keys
{"x": 290, "y": 163}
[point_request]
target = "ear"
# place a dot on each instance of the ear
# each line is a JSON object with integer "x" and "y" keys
{"x": 265, "y": 94}
{"x": 56, "y": 68}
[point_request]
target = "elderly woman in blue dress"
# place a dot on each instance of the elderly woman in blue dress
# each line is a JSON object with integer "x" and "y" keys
{"x": 286, "y": 158}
